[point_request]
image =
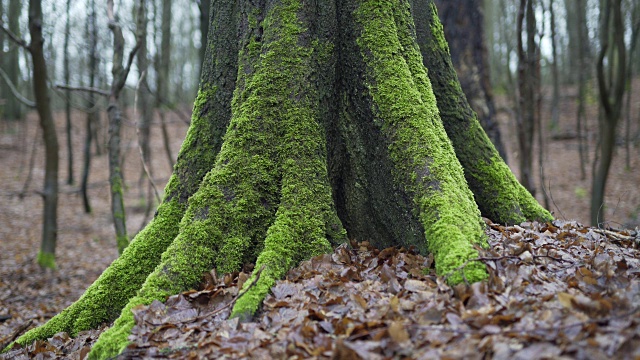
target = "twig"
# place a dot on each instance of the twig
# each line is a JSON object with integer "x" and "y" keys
{"x": 15, "y": 334}
{"x": 498, "y": 258}
{"x": 27, "y": 182}
{"x": 15, "y": 91}
{"x": 233, "y": 301}
{"x": 83, "y": 88}
{"x": 616, "y": 236}
{"x": 14, "y": 37}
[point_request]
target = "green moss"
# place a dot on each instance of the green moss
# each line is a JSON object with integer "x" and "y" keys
{"x": 268, "y": 192}
{"x": 104, "y": 299}
{"x": 47, "y": 260}
{"x": 497, "y": 192}
{"x": 424, "y": 160}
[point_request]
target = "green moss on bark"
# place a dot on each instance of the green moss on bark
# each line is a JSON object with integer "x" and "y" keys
{"x": 497, "y": 192}
{"x": 268, "y": 193}
{"x": 424, "y": 160}
{"x": 47, "y": 260}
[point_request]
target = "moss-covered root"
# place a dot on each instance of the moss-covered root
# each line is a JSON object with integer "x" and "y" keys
{"x": 424, "y": 160}
{"x": 498, "y": 193}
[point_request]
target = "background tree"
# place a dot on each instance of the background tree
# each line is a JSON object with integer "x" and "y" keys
{"x": 120, "y": 72}
{"x": 611, "y": 85}
{"x": 67, "y": 105}
{"x": 463, "y": 23}
{"x": 11, "y": 62}
{"x": 46, "y": 256}
{"x": 528, "y": 80}
{"x": 331, "y": 120}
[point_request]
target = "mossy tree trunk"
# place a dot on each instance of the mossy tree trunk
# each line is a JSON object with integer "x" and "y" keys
{"x": 332, "y": 126}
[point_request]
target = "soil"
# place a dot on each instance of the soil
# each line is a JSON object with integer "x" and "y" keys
{"x": 86, "y": 242}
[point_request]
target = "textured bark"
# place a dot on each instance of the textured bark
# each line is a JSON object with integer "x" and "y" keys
{"x": 46, "y": 256}
{"x": 333, "y": 121}
{"x": 463, "y": 23}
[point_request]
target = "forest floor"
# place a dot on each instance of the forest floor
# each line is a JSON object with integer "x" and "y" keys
{"x": 86, "y": 245}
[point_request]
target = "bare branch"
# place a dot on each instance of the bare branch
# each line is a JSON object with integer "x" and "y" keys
{"x": 15, "y": 92}
{"x": 83, "y": 88}
{"x": 21, "y": 42}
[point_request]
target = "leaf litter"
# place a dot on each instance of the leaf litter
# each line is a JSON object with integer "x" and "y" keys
{"x": 556, "y": 290}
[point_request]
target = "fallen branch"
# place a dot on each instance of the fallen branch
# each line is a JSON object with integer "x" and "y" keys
{"x": 15, "y": 91}
{"x": 14, "y": 37}
{"x": 17, "y": 332}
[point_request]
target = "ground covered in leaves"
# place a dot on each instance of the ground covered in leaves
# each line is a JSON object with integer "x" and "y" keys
{"x": 555, "y": 290}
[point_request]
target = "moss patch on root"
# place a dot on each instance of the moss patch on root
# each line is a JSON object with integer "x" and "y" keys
{"x": 424, "y": 159}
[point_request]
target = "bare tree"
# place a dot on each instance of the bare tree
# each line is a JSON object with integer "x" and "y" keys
{"x": 92, "y": 116}
{"x": 120, "y": 73}
{"x": 67, "y": 100}
{"x": 46, "y": 256}
{"x": 11, "y": 62}
{"x": 611, "y": 85}
{"x": 162, "y": 97}
{"x": 528, "y": 75}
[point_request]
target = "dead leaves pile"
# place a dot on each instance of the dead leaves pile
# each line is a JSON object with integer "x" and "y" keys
{"x": 555, "y": 291}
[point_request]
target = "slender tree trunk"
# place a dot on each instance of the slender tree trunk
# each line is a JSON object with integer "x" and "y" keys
{"x": 13, "y": 107}
{"x": 92, "y": 115}
{"x": 67, "y": 100}
{"x": 120, "y": 73}
{"x": 46, "y": 256}
{"x": 145, "y": 110}
{"x": 163, "y": 73}
{"x": 555, "y": 101}
{"x": 582, "y": 83}
{"x": 635, "y": 34}
{"x": 611, "y": 84}
{"x": 526, "y": 118}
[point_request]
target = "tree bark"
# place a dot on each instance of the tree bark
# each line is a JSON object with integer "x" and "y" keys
{"x": 67, "y": 100}
{"x": 91, "y": 121}
{"x": 333, "y": 121}
{"x": 46, "y": 256}
{"x": 611, "y": 85}
{"x": 162, "y": 99}
{"x": 145, "y": 110}
{"x": 13, "y": 107}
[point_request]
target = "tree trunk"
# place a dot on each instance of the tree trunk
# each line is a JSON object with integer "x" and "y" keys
{"x": 611, "y": 84}
{"x": 205, "y": 13}
{"x": 92, "y": 115}
{"x": 526, "y": 114}
{"x": 163, "y": 74}
{"x": 46, "y": 256}
{"x": 67, "y": 100}
{"x": 13, "y": 107}
{"x": 333, "y": 122}
{"x": 145, "y": 109}
{"x": 555, "y": 102}
{"x": 463, "y": 23}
